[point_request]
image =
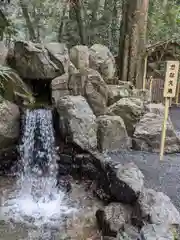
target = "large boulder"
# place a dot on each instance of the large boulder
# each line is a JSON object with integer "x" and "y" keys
{"x": 113, "y": 218}
{"x": 112, "y": 134}
{"x": 147, "y": 135}
{"x": 32, "y": 61}
{"x": 77, "y": 121}
{"x": 91, "y": 85}
{"x": 102, "y": 60}
{"x": 156, "y": 231}
{"x": 156, "y": 208}
{"x": 79, "y": 56}
{"x": 130, "y": 110}
{"x": 9, "y": 124}
{"x": 59, "y": 87}
{"x": 59, "y": 54}
{"x": 117, "y": 92}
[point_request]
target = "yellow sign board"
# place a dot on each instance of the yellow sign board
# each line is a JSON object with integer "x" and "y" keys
{"x": 172, "y": 68}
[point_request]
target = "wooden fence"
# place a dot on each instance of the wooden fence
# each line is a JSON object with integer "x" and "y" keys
{"x": 156, "y": 87}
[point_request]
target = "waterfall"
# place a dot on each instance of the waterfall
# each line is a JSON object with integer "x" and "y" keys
{"x": 36, "y": 199}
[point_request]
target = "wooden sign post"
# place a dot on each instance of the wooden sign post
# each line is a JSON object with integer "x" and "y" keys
{"x": 172, "y": 68}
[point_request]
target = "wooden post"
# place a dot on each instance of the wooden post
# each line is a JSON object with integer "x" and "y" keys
{"x": 163, "y": 136}
{"x": 145, "y": 71}
{"x": 177, "y": 93}
{"x": 150, "y": 88}
{"x": 170, "y": 85}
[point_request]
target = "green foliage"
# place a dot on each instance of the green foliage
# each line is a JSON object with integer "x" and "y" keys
{"x": 11, "y": 82}
{"x": 164, "y": 20}
{"x": 101, "y": 19}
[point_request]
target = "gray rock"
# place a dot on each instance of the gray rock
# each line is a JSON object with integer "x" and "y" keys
{"x": 117, "y": 92}
{"x": 126, "y": 182}
{"x": 156, "y": 208}
{"x": 77, "y": 121}
{"x": 116, "y": 182}
{"x": 158, "y": 232}
{"x": 143, "y": 95}
{"x": 129, "y": 232}
{"x": 130, "y": 110}
{"x": 72, "y": 69}
{"x": 59, "y": 87}
{"x": 102, "y": 60}
{"x": 79, "y": 56}
{"x": 90, "y": 84}
{"x": 32, "y": 61}
{"x": 9, "y": 123}
{"x": 59, "y": 54}
{"x": 112, "y": 134}
{"x": 147, "y": 135}
{"x": 112, "y": 218}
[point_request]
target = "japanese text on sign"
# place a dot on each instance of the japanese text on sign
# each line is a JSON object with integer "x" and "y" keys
{"x": 172, "y": 68}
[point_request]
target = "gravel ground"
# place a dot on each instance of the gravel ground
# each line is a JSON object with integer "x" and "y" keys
{"x": 160, "y": 175}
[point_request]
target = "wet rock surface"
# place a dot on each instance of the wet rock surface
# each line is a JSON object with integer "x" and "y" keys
{"x": 112, "y": 218}
{"x": 81, "y": 224}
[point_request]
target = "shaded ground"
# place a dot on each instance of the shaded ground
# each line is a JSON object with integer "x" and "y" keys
{"x": 160, "y": 175}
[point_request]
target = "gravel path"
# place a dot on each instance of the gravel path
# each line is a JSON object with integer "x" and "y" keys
{"x": 160, "y": 175}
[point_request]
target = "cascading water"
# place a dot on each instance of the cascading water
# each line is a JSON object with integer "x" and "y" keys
{"x": 36, "y": 200}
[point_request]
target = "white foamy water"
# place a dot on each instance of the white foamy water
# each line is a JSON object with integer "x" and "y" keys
{"x": 35, "y": 199}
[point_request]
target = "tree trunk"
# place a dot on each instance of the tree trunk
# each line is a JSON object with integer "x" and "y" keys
{"x": 32, "y": 34}
{"x": 132, "y": 45}
{"x": 62, "y": 23}
{"x": 79, "y": 18}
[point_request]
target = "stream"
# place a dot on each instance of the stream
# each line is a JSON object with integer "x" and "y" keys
{"x": 31, "y": 204}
